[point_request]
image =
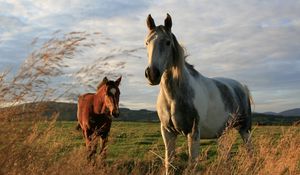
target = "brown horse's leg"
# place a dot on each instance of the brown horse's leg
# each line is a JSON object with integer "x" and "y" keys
{"x": 89, "y": 143}
{"x": 87, "y": 139}
{"x": 103, "y": 144}
{"x": 94, "y": 143}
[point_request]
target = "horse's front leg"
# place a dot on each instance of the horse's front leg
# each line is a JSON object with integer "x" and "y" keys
{"x": 170, "y": 142}
{"x": 194, "y": 143}
{"x": 87, "y": 138}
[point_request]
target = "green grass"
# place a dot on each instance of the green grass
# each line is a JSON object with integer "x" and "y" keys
{"x": 140, "y": 140}
{"x": 132, "y": 147}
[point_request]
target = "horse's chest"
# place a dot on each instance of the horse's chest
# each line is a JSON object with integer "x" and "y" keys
{"x": 178, "y": 115}
{"x": 100, "y": 124}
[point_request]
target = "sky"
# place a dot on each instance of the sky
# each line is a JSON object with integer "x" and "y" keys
{"x": 256, "y": 42}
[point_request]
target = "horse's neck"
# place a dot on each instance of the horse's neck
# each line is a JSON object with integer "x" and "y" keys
{"x": 178, "y": 84}
{"x": 99, "y": 103}
{"x": 175, "y": 81}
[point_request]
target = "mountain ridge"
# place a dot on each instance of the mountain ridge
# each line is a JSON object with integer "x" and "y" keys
{"x": 68, "y": 111}
{"x": 285, "y": 113}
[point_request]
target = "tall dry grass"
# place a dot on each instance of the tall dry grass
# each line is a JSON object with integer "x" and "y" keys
{"x": 22, "y": 149}
{"x": 30, "y": 83}
{"x": 270, "y": 155}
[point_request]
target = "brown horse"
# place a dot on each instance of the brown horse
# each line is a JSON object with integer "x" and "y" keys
{"x": 95, "y": 112}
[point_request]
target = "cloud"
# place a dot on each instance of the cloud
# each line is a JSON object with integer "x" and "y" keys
{"x": 255, "y": 42}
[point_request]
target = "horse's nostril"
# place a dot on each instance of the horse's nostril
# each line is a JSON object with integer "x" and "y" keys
{"x": 155, "y": 72}
{"x": 147, "y": 71}
{"x": 153, "y": 75}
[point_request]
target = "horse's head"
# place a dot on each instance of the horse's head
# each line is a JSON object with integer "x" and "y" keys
{"x": 110, "y": 90}
{"x": 162, "y": 49}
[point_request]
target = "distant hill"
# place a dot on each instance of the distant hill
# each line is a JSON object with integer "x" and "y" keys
{"x": 68, "y": 111}
{"x": 138, "y": 115}
{"x": 287, "y": 113}
{"x": 270, "y": 113}
{"x": 291, "y": 112}
{"x": 267, "y": 119}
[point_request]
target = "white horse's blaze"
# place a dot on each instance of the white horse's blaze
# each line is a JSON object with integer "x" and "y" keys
{"x": 189, "y": 103}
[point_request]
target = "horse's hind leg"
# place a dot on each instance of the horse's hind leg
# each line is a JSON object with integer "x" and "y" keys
{"x": 103, "y": 145}
{"x": 245, "y": 134}
{"x": 94, "y": 144}
{"x": 245, "y": 124}
{"x": 245, "y": 131}
{"x": 89, "y": 143}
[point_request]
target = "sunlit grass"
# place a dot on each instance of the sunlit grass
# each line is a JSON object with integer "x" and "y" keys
{"x": 134, "y": 144}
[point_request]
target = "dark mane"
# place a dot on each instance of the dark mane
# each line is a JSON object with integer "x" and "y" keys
{"x": 191, "y": 69}
{"x": 177, "y": 52}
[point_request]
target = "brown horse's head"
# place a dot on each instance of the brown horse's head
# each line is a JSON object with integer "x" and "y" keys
{"x": 108, "y": 92}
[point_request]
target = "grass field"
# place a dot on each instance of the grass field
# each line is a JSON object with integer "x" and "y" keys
{"x": 137, "y": 148}
{"x": 138, "y": 140}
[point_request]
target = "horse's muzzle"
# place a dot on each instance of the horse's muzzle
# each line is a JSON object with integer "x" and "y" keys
{"x": 153, "y": 75}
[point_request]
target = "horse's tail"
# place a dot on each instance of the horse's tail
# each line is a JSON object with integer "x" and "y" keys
{"x": 249, "y": 99}
{"x": 78, "y": 127}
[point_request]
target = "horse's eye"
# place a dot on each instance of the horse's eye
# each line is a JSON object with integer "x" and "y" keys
{"x": 147, "y": 43}
{"x": 168, "y": 43}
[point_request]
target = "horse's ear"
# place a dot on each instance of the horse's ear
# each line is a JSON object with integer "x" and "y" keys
{"x": 168, "y": 22}
{"x": 105, "y": 80}
{"x": 150, "y": 22}
{"x": 118, "y": 81}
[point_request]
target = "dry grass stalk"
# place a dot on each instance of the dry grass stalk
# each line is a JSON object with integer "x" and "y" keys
{"x": 271, "y": 155}
{"x": 22, "y": 148}
{"x": 30, "y": 82}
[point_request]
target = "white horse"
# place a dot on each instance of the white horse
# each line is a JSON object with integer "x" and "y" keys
{"x": 188, "y": 102}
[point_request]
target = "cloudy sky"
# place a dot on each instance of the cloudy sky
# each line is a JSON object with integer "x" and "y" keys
{"x": 256, "y": 42}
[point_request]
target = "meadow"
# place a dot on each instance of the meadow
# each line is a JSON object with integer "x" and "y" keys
{"x": 56, "y": 147}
